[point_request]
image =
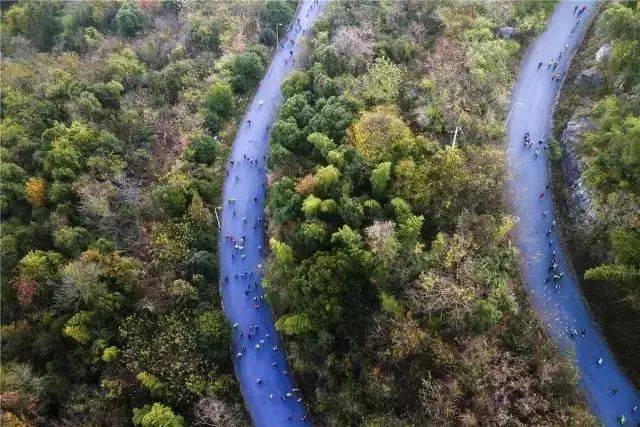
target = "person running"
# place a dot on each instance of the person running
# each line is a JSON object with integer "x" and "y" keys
{"x": 539, "y": 64}
{"x": 575, "y": 9}
{"x": 260, "y": 103}
{"x": 248, "y": 122}
{"x": 540, "y": 196}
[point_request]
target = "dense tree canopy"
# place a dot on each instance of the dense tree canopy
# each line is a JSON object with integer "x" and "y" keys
{"x": 391, "y": 272}
{"x": 109, "y": 175}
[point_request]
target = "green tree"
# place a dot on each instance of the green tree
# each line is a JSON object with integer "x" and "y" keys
{"x": 37, "y": 20}
{"x": 296, "y": 106}
{"x": 246, "y": 71}
{"x": 620, "y": 22}
{"x": 380, "y": 178}
{"x": 351, "y": 211}
{"x": 38, "y": 265}
{"x": 12, "y": 180}
{"x": 283, "y": 203}
{"x": 276, "y": 12}
{"x": 77, "y": 17}
{"x": 322, "y": 143}
{"x": 202, "y": 149}
{"x": 124, "y": 67}
{"x": 214, "y": 336}
{"x": 171, "y": 197}
{"x": 130, "y": 19}
{"x": 220, "y": 99}
{"x": 381, "y": 83}
{"x": 327, "y": 177}
{"x": 332, "y": 118}
{"x": 322, "y": 292}
{"x": 296, "y": 82}
{"x": 157, "y": 415}
{"x": 311, "y": 206}
{"x": 311, "y": 236}
{"x": 287, "y": 134}
{"x": 71, "y": 240}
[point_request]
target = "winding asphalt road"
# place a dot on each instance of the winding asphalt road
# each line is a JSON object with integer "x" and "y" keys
{"x": 562, "y": 308}
{"x": 261, "y": 368}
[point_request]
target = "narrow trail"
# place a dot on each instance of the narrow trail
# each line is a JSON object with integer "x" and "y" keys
{"x": 261, "y": 367}
{"x": 558, "y": 300}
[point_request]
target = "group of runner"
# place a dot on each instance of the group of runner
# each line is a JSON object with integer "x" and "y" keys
{"x": 251, "y": 337}
{"x": 554, "y": 62}
{"x": 529, "y": 144}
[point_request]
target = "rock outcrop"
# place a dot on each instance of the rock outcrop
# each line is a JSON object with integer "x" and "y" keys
{"x": 604, "y": 53}
{"x": 506, "y": 32}
{"x": 590, "y": 78}
{"x": 580, "y": 200}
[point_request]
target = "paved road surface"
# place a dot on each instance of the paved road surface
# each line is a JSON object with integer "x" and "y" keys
{"x": 562, "y": 309}
{"x": 249, "y": 309}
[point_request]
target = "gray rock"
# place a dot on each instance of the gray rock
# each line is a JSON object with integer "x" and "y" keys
{"x": 581, "y": 209}
{"x": 506, "y": 32}
{"x": 591, "y": 78}
{"x": 604, "y": 53}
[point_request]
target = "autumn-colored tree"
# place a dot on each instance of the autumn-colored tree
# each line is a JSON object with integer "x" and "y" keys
{"x": 35, "y": 191}
{"x": 377, "y": 133}
{"x": 306, "y": 185}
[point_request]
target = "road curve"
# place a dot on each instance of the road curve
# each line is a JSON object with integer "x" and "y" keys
{"x": 267, "y": 401}
{"x": 563, "y": 310}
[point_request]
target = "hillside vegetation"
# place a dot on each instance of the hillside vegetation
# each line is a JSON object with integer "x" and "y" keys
{"x": 392, "y": 272}
{"x": 116, "y": 124}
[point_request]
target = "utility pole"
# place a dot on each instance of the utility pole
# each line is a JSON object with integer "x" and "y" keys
{"x": 455, "y": 135}
{"x": 216, "y": 212}
{"x": 277, "y": 36}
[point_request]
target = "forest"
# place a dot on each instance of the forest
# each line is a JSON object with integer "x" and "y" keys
{"x": 392, "y": 271}
{"x": 116, "y": 121}
{"x": 608, "y": 245}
